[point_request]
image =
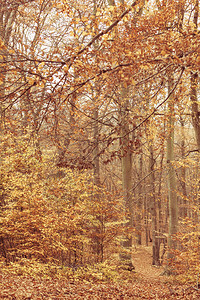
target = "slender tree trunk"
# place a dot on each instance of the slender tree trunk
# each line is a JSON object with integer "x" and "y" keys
{"x": 96, "y": 149}
{"x": 96, "y": 159}
{"x": 126, "y": 159}
{"x": 139, "y": 205}
{"x": 160, "y": 212}
{"x": 153, "y": 200}
{"x": 183, "y": 210}
{"x": 161, "y": 230}
{"x": 96, "y": 124}
{"x": 7, "y": 18}
{"x": 155, "y": 241}
{"x": 194, "y": 86}
{"x": 195, "y": 107}
{"x": 173, "y": 208}
{"x": 194, "y": 92}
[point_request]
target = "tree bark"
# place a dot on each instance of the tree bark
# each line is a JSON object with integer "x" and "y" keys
{"x": 155, "y": 241}
{"x": 195, "y": 107}
{"x": 183, "y": 210}
{"x": 173, "y": 208}
{"x": 194, "y": 85}
{"x": 139, "y": 204}
{"x": 126, "y": 161}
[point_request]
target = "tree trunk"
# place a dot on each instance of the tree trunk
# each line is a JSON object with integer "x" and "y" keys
{"x": 195, "y": 107}
{"x": 155, "y": 241}
{"x": 98, "y": 245}
{"x": 183, "y": 210}
{"x": 7, "y": 18}
{"x": 194, "y": 85}
{"x": 126, "y": 160}
{"x": 173, "y": 209}
{"x": 96, "y": 124}
{"x": 139, "y": 205}
{"x": 96, "y": 149}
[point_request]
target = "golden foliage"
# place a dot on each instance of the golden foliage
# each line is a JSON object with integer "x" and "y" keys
{"x": 68, "y": 221}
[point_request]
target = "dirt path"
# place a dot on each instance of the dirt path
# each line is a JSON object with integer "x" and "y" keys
{"x": 142, "y": 260}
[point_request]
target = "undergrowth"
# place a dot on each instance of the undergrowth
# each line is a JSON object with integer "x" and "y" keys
{"x": 101, "y": 272}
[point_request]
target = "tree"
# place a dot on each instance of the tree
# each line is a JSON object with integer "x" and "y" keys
{"x": 194, "y": 85}
{"x": 82, "y": 86}
{"x": 126, "y": 158}
{"x": 173, "y": 208}
{"x": 7, "y": 18}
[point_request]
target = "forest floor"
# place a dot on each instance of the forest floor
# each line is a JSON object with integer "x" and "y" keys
{"x": 146, "y": 283}
{"x": 142, "y": 260}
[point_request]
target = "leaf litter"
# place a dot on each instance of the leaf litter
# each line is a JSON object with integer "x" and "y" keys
{"x": 145, "y": 283}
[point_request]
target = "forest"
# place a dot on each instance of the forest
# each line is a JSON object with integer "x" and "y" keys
{"x": 100, "y": 149}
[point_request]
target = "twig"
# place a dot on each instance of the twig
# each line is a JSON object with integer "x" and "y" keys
{"x": 191, "y": 151}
